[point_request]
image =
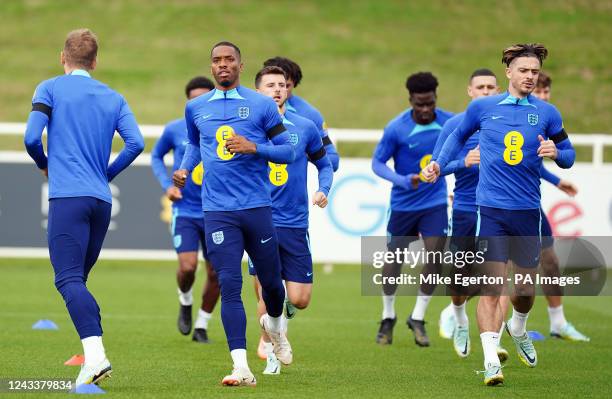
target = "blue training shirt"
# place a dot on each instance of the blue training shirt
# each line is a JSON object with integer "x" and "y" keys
{"x": 81, "y": 115}
{"x": 303, "y": 108}
{"x": 411, "y": 146}
{"x": 509, "y": 163}
{"x": 174, "y": 138}
{"x": 232, "y": 181}
{"x": 466, "y": 179}
{"x": 287, "y": 183}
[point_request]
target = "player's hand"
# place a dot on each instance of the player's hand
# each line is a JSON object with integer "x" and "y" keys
{"x": 414, "y": 181}
{"x": 174, "y": 193}
{"x": 319, "y": 199}
{"x": 179, "y": 177}
{"x": 238, "y": 144}
{"x": 45, "y": 172}
{"x": 547, "y": 148}
{"x": 431, "y": 172}
{"x": 568, "y": 187}
{"x": 473, "y": 157}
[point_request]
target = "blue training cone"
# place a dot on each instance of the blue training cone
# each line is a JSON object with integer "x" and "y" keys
{"x": 536, "y": 335}
{"x": 44, "y": 325}
{"x": 88, "y": 389}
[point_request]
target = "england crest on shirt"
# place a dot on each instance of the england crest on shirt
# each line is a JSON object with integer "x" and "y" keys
{"x": 217, "y": 237}
{"x": 532, "y": 119}
{"x": 293, "y": 138}
{"x": 243, "y": 112}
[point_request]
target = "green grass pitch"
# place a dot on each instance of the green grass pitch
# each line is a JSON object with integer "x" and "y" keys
{"x": 333, "y": 342}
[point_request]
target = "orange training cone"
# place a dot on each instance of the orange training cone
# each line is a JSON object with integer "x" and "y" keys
{"x": 75, "y": 360}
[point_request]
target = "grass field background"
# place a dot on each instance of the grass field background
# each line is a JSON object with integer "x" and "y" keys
{"x": 355, "y": 55}
{"x": 333, "y": 342}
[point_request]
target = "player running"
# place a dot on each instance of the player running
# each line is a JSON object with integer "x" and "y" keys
{"x": 187, "y": 226}
{"x": 289, "y": 193}
{"x": 298, "y": 105}
{"x": 559, "y": 326}
{"x": 415, "y": 208}
{"x": 517, "y": 130}
{"x": 235, "y": 131}
{"x": 462, "y": 227}
{"x": 81, "y": 115}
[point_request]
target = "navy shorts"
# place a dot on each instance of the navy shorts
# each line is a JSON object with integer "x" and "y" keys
{"x": 188, "y": 234}
{"x": 296, "y": 260}
{"x": 462, "y": 229}
{"x": 229, "y": 234}
{"x": 547, "y": 235}
{"x": 505, "y": 234}
{"x": 430, "y": 222}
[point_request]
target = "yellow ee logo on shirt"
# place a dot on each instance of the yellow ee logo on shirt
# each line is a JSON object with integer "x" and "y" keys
{"x": 223, "y": 133}
{"x": 422, "y": 164}
{"x": 198, "y": 174}
{"x": 513, "y": 155}
{"x": 278, "y": 173}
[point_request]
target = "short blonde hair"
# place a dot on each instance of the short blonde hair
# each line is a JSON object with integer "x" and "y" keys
{"x": 81, "y": 48}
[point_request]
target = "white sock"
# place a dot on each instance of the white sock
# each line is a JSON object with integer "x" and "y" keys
{"x": 185, "y": 298}
{"x": 489, "y": 348}
{"x": 274, "y": 323}
{"x": 501, "y": 332}
{"x": 284, "y": 323}
{"x": 268, "y": 348}
{"x": 93, "y": 350}
{"x": 239, "y": 357}
{"x": 388, "y": 307}
{"x": 203, "y": 318}
{"x": 460, "y": 315}
{"x": 518, "y": 323}
{"x": 422, "y": 300}
{"x": 557, "y": 318}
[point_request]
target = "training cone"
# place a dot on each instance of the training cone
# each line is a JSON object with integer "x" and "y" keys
{"x": 88, "y": 388}
{"x": 536, "y": 335}
{"x": 45, "y": 325}
{"x": 75, "y": 360}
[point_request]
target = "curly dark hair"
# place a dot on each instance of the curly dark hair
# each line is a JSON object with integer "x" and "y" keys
{"x": 421, "y": 82}
{"x": 291, "y": 68}
{"x": 524, "y": 50}
{"x": 199, "y": 82}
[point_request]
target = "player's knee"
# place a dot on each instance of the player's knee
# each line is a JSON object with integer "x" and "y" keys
{"x": 302, "y": 301}
{"x": 188, "y": 265}
{"x": 67, "y": 287}
{"x": 550, "y": 262}
{"x": 231, "y": 286}
{"x": 299, "y": 296}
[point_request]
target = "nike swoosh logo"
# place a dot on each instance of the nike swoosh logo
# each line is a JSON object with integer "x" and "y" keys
{"x": 308, "y": 274}
{"x": 412, "y": 145}
{"x": 207, "y": 116}
{"x": 530, "y": 360}
{"x": 465, "y": 350}
{"x": 496, "y": 117}
{"x": 265, "y": 241}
